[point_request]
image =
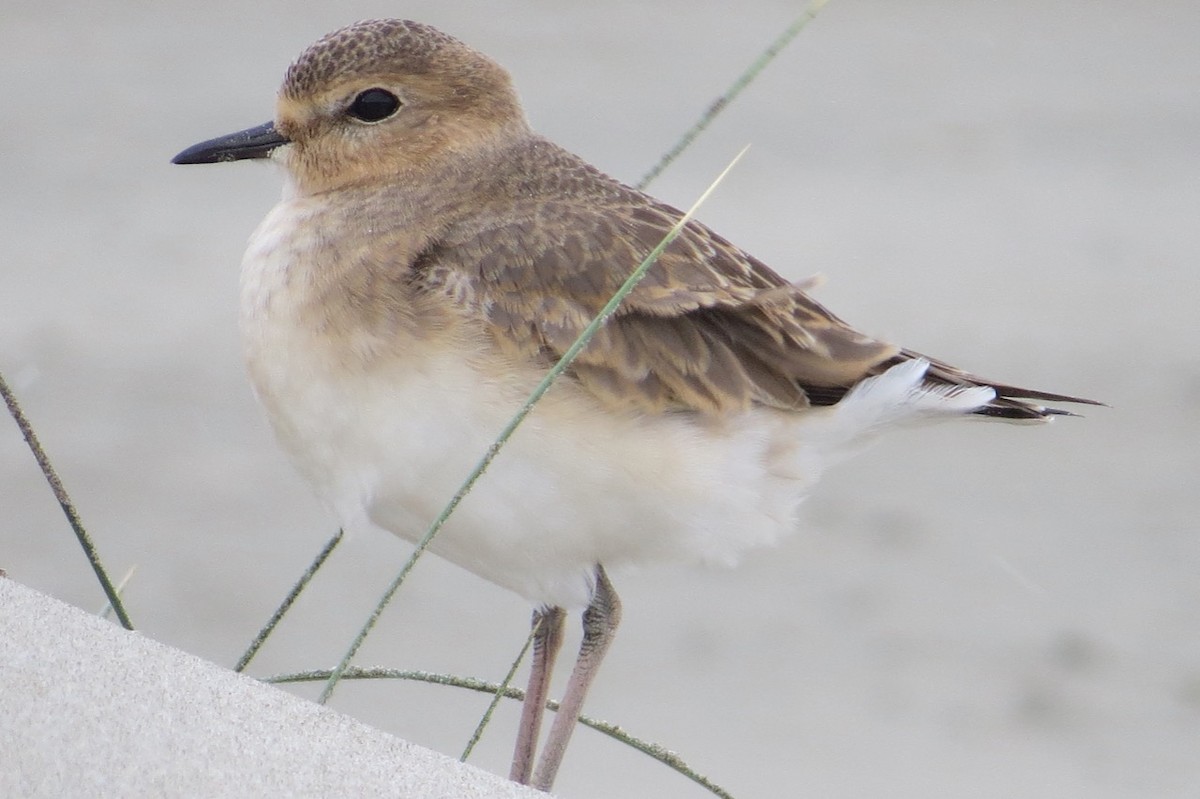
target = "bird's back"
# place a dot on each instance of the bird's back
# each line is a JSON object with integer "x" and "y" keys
{"x": 548, "y": 239}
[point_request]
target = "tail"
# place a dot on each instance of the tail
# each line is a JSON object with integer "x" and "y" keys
{"x": 1011, "y": 403}
{"x": 908, "y": 389}
{"x": 1007, "y": 403}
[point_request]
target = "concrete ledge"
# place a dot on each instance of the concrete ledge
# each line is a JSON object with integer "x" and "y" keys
{"x": 88, "y": 709}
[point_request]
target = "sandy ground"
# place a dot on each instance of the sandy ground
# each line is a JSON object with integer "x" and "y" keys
{"x": 976, "y": 610}
{"x": 149, "y": 720}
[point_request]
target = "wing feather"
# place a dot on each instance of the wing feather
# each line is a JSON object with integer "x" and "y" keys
{"x": 709, "y": 329}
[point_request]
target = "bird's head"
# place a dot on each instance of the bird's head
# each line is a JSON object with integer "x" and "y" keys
{"x": 381, "y": 99}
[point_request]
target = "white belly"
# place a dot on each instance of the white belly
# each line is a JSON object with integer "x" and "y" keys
{"x": 570, "y": 490}
{"x": 390, "y": 436}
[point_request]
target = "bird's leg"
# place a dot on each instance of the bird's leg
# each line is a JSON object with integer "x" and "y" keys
{"x": 600, "y": 622}
{"x": 547, "y": 640}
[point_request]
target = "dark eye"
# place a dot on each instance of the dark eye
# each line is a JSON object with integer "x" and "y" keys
{"x": 373, "y": 105}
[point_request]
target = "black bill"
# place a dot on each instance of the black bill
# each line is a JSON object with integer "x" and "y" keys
{"x": 252, "y": 143}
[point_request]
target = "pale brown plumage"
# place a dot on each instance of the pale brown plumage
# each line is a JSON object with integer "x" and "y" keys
{"x": 710, "y": 328}
{"x": 542, "y": 240}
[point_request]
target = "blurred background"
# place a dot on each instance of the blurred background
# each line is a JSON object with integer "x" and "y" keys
{"x": 975, "y": 610}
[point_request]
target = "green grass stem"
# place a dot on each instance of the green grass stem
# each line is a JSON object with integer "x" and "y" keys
{"x": 64, "y": 501}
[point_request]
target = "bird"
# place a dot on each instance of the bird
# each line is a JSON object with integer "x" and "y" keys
{"x": 432, "y": 258}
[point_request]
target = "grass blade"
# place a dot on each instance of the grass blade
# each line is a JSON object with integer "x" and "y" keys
{"x": 743, "y": 80}
{"x": 64, "y": 501}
